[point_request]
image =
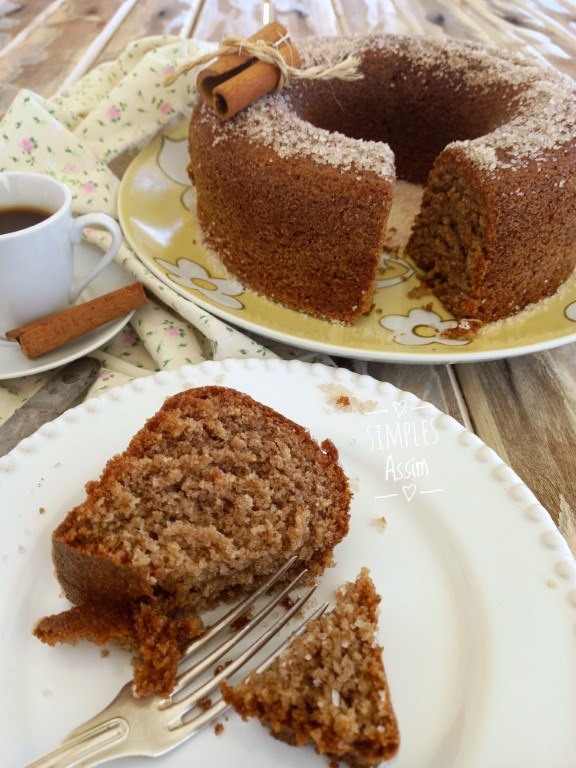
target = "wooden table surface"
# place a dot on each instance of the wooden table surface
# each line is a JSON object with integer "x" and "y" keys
{"x": 523, "y": 407}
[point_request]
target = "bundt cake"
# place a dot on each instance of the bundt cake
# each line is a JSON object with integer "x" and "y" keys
{"x": 294, "y": 192}
{"x": 211, "y": 496}
{"x": 329, "y": 687}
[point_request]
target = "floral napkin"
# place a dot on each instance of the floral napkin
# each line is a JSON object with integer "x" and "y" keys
{"x": 79, "y": 136}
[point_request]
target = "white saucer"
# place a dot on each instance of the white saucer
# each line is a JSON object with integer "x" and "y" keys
{"x": 14, "y": 363}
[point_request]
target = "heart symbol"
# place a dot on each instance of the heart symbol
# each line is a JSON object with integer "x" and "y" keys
{"x": 400, "y": 407}
{"x": 409, "y": 491}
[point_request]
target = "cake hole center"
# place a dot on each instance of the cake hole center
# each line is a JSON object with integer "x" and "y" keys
{"x": 405, "y": 205}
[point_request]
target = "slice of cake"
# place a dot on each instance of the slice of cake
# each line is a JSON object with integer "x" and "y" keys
{"x": 329, "y": 687}
{"x": 211, "y": 496}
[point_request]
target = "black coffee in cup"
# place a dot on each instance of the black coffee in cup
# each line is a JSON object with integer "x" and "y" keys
{"x": 20, "y": 217}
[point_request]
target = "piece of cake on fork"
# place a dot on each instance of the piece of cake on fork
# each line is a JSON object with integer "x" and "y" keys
{"x": 329, "y": 687}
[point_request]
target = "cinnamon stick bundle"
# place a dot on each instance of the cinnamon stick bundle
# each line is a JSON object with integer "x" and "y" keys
{"x": 48, "y": 333}
{"x": 234, "y": 81}
{"x": 246, "y": 69}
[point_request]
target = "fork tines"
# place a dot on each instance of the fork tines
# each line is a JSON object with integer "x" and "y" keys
{"x": 153, "y": 725}
{"x": 182, "y": 705}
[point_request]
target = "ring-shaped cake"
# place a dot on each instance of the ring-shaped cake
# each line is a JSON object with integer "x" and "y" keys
{"x": 294, "y": 193}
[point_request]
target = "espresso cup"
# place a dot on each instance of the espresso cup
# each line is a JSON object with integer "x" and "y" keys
{"x": 37, "y": 238}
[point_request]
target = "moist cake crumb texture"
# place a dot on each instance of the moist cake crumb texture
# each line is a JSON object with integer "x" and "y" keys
{"x": 329, "y": 687}
{"x": 212, "y": 495}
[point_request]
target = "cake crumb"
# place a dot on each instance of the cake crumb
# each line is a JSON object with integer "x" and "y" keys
{"x": 419, "y": 291}
{"x": 222, "y": 667}
{"x": 218, "y": 729}
{"x": 464, "y": 329}
{"x": 241, "y": 621}
{"x": 287, "y": 602}
{"x": 341, "y": 398}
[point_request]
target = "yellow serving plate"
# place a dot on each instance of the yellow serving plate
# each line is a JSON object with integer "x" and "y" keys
{"x": 157, "y": 213}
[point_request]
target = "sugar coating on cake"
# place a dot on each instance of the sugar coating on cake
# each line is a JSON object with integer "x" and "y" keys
{"x": 305, "y": 140}
{"x": 544, "y": 118}
{"x": 295, "y": 192}
{"x": 211, "y": 496}
{"x": 329, "y": 687}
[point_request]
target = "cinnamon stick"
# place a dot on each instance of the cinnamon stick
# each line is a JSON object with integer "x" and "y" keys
{"x": 48, "y": 333}
{"x": 234, "y": 81}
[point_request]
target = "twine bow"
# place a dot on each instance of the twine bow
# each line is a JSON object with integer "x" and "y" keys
{"x": 347, "y": 69}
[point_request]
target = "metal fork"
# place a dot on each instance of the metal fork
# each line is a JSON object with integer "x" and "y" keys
{"x": 153, "y": 725}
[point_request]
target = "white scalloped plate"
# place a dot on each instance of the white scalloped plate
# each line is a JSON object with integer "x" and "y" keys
{"x": 478, "y": 615}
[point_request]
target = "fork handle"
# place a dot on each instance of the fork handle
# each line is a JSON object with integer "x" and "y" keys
{"x": 86, "y": 749}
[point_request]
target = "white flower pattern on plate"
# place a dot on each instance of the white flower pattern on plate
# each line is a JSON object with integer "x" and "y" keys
{"x": 192, "y": 275}
{"x": 390, "y": 263}
{"x": 170, "y": 160}
{"x": 405, "y": 328}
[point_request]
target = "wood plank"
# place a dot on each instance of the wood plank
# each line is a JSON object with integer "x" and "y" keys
{"x": 525, "y": 408}
{"x": 564, "y": 361}
{"x": 149, "y": 17}
{"x": 227, "y": 18}
{"x": 26, "y": 14}
{"x": 212, "y": 21}
{"x": 316, "y": 18}
{"x": 392, "y": 16}
{"x": 300, "y": 19}
{"x": 42, "y": 57}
